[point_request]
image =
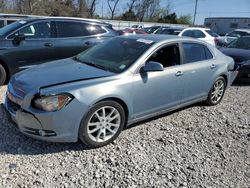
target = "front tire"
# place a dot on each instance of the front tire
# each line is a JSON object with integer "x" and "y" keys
{"x": 2, "y": 75}
{"x": 217, "y": 92}
{"x": 102, "y": 124}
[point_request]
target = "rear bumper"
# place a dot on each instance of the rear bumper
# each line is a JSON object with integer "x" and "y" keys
{"x": 231, "y": 75}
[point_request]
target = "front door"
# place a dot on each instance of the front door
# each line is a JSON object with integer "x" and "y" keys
{"x": 156, "y": 91}
{"x": 36, "y": 48}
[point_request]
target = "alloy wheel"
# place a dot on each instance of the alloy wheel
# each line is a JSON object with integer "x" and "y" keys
{"x": 103, "y": 124}
{"x": 218, "y": 91}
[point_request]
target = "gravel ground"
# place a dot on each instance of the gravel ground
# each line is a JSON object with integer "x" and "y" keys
{"x": 198, "y": 146}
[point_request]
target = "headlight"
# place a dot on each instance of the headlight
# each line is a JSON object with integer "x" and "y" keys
{"x": 52, "y": 103}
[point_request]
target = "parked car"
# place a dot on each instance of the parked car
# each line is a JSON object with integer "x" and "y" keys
{"x": 151, "y": 29}
{"x": 200, "y": 33}
{"x": 239, "y": 50}
{"x": 233, "y": 35}
{"x": 33, "y": 41}
{"x": 131, "y": 32}
{"x": 168, "y": 31}
{"x": 98, "y": 93}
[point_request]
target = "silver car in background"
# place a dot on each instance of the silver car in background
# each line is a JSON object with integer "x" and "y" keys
{"x": 96, "y": 94}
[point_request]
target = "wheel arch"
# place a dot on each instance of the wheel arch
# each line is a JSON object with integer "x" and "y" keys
{"x": 121, "y": 102}
{"x": 6, "y": 69}
{"x": 225, "y": 77}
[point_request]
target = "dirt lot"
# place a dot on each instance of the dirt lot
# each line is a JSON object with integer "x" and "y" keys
{"x": 198, "y": 146}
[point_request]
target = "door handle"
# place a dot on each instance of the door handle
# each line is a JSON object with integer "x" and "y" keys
{"x": 212, "y": 66}
{"x": 48, "y": 44}
{"x": 179, "y": 73}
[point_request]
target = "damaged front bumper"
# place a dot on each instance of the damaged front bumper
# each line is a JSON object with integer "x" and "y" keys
{"x": 59, "y": 126}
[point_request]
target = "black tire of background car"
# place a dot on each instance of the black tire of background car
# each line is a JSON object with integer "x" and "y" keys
{"x": 83, "y": 135}
{"x": 209, "y": 100}
{"x": 2, "y": 75}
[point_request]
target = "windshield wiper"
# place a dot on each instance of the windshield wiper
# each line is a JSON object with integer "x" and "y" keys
{"x": 92, "y": 64}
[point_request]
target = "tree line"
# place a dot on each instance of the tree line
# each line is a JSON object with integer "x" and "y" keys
{"x": 135, "y": 10}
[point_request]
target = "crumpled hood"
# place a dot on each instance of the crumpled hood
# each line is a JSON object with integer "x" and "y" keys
{"x": 56, "y": 72}
{"x": 238, "y": 55}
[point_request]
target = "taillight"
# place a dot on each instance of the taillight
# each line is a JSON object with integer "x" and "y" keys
{"x": 216, "y": 41}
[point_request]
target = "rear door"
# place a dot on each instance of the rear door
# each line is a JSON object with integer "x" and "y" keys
{"x": 198, "y": 70}
{"x": 36, "y": 48}
{"x": 74, "y": 37}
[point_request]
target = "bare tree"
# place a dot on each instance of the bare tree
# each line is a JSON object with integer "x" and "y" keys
{"x": 131, "y": 5}
{"x": 91, "y": 8}
{"x": 142, "y": 8}
{"x": 82, "y": 8}
{"x": 113, "y": 7}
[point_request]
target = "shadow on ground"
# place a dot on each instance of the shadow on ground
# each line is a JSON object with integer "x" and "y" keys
{"x": 14, "y": 142}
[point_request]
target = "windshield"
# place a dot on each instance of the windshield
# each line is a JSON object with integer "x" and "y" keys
{"x": 237, "y": 34}
{"x": 8, "y": 28}
{"x": 212, "y": 33}
{"x": 242, "y": 43}
{"x": 115, "y": 55}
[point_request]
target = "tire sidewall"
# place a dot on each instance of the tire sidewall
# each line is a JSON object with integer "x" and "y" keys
{"x": 2, "y": 75}
{"x": 209, "y": 100}
{"x": 83, "y": 135}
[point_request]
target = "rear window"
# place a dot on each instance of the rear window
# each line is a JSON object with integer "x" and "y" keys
{"x": 95, "y": 29}
{"x": 212, "y": 33}
{"x": 198, "y": 34}
{"x": 187, "y": 33}
{"x": 77, "y": 29}
{"x": 71, "y": 29}
{"x": 196, "y": 52}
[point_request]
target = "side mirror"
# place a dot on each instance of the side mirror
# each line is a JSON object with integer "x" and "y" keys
{"x": 18, "y": 38}
{"x": 152, "y": 66}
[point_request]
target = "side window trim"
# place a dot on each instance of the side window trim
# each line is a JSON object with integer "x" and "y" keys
{"x": 56, "y": 29}
{"x": 137, "y": 71}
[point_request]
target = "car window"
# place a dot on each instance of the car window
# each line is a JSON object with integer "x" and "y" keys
{"x": 238, "y": 34}
{"x": 36, "y": 30}
{"x": 241, "y": 43}
{"x": 116, "y": 54}
{"x": 167, "y": 56}
{"x": 198, "y": 34}
{"x": 1, "y": 23}
{"x": 196, "y": 52}
{"x": 212, "y": 33}
{"x": 187, "y": 33}
{"x": 94, "y": 29}
{"x": 72, "y": 29}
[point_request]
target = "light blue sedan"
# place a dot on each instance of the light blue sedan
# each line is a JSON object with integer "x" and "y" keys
{"x": 96, "y": 94}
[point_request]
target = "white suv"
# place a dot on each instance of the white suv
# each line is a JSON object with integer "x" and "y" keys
{"x": 200, "y": 33}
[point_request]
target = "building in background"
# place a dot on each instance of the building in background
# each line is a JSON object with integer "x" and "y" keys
{"x": 223, "y": 25}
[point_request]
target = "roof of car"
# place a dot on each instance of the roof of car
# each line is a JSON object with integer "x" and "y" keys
{"x": 154, "y": 38}
{"x": 244, "y": 30}
{"x": 157, "y": 38}
{"x": 65, "y": 18}
{"x": 201, "y": 28}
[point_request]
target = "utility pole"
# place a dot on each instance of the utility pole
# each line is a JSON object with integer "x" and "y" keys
{"x": 195, "y": 10}
{"x": 102, "y": 9}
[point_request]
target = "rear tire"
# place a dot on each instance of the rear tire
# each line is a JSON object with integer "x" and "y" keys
{"x": 217, "y": 92}
{"x": 102, "y": 124}
{"x": 2, "y": 75}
